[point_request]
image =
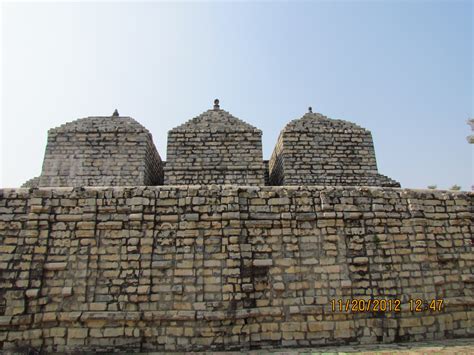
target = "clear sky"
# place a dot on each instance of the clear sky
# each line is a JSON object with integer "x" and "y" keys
{"x": 402, "y": 69}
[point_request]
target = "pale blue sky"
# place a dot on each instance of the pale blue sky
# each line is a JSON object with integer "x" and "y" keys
{"x": 402, "y": 69}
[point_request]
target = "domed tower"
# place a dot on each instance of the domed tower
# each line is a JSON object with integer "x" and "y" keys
{"x": 317, "y": 150}
{"x": 101, "y": 151}
{"x": 214, "y": 148}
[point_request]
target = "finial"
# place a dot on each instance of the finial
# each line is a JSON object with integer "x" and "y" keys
{"x": 216, "y": 104}
{"x": 310, "y": 109}
{"x": 115, "y": 114}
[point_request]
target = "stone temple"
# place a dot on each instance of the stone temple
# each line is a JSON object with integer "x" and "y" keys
{"x": 101, "y": 151}
{"x": 215, "y": 148}
{"x": 212, "y": 148}
{"x": 112, "y": 248}
{"x": 316, "y": 150}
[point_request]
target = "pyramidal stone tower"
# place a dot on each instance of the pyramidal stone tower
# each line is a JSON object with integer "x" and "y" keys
{"x": 215, "y": 148}
{"x": 317, "y": 150}
{"x": 101, "y": 151}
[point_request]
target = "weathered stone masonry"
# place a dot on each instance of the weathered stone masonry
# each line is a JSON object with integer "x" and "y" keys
{"x": 212, "y": 148}
{"x": 316, "y": 150}
{"x": 207, "y": 267}
{"x": 100, "y": 151}
{"x": 216, "y": 260}
{"x": 215, "y": 148}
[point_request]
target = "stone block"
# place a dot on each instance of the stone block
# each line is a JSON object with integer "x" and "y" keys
{"x": 77, "y": 333}
{"x": 55, "y": 266}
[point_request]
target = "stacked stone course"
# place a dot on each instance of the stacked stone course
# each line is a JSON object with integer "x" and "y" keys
{"x": 101, "y": 151}
{"x": 33, "y": 182}
{"x": 316, "y": 150}
{"x": 215, "y": 148}
{"x": 222, "y": 267}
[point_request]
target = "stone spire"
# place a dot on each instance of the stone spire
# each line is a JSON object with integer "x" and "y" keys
{"x": 115, "y": 114}
{"x": 216, "y": 104}
{"x": 308, "y": 153}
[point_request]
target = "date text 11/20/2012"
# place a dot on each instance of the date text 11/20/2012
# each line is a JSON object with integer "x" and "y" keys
{"x": 386, "y": 305}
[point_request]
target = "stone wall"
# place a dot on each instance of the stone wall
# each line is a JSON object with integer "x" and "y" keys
{"x": 316, "y": 150}
{"x": 215, "y": 148}
{"x": 101, "y": 151}
{"x": 223, "y": 267}
{"x": 33, "y": 182}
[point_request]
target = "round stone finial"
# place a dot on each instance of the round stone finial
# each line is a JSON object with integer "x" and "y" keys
{"x": 216, "y": 104}
{"x": 310, "y": 109}
{"x": 115, "y": 114}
